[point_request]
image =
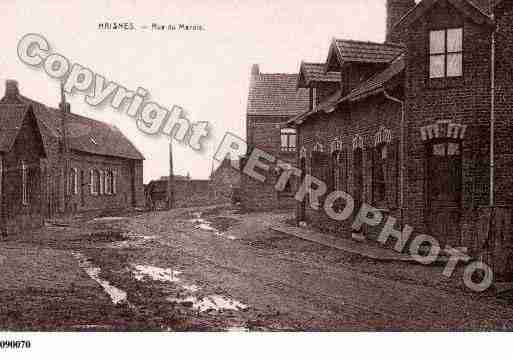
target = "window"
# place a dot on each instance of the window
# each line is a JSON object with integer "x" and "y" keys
{"x": 339, "y": 172}
{"x": 102, "y": 182}
{"x": 114, "y": 182}
{"x": 288, "y": 140}
{"x": 95, "y": 182}
{"x": 358, "y": 176}
{"x": 379, "y": 173}
{"x": 109, "y": 182}
{"x": 24, "y": 183}
{"x": 446, "y": 53}
{"x": 73, "y": 181}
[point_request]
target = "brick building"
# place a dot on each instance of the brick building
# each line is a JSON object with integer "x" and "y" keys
{"x": 409, "y": 130}
{"x": 104, "y": 169}
{"x": 273, "y": 99}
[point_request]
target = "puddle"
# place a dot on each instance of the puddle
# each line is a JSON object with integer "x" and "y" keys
{"x": 116, "y": 295}
{"x": 213, "y": 302}
{"x": 156, "y": 273}
{"x": 205, "y": 225}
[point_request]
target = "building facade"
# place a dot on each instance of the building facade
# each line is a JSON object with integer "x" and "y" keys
{"x": 273, "y": 99}
{"x": 46, "y": 172}
{"x": 411, "y": 130}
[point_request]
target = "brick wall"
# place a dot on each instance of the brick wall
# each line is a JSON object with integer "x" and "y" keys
{"x": 464, "y": 100}
{"x": 363, "y": 119}
{"x": 264, "y": 132}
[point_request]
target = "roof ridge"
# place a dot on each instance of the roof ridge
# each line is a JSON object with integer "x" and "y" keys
{"x": 369, "y": 42}
{"x": 277, "y": 73}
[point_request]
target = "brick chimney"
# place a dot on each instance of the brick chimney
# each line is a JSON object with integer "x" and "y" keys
{"x": 65, "y": 107}
{"x": 255, "y": 70}
{"x": 11, "y": 89}
{"x": 396, "y": 9}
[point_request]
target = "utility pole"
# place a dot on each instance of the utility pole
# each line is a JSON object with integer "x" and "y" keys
{"x": 171, "y": 181}
{"x": 65, "y": 155}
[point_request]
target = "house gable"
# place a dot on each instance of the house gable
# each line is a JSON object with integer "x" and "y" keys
{"x": 475, "y": 11}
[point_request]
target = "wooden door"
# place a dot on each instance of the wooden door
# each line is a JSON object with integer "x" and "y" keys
{"x": 444, "y": 192}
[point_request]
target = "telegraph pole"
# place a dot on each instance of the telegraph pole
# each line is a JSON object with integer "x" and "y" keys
{"x": 65, "y": 155}
{"x": 171, "y": 181}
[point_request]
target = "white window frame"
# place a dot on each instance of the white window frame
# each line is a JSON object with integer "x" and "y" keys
{"x": 445, "y": 53}
{"x": 92, "y": 184}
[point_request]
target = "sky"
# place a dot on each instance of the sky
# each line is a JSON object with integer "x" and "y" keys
{"x": 205, "y": 72}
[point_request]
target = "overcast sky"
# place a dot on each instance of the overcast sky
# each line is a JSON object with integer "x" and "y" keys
{"x": 206, "y": 72}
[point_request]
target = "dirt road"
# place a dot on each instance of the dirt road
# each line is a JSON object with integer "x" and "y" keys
{"x": 218, "y": 270}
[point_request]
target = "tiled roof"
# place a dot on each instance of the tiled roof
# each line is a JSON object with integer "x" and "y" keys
{"x": 376, "y": 83}
{"x": 326, "y": 106}
{"x": 84, "y": 134}
{"x": 315, "y": 72}
{"x": 370, "y": 87}
{"x": 276, "y": 95}
{"x": 367, "y": 52}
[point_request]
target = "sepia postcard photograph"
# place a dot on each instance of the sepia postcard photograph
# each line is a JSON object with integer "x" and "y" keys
{"x": 243, "y": 178}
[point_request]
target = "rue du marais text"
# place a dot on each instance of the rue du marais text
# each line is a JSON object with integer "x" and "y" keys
{"x": 130, "y": 26}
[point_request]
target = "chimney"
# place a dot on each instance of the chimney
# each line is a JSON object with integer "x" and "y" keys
{"x": 11, "y": 89}
{"x": 255, "y": 70}
{"x": 396, "y": 9}
{"x": 65, "y": 107}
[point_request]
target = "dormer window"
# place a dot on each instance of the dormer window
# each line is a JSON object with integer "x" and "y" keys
{"x": 446, "y": 53}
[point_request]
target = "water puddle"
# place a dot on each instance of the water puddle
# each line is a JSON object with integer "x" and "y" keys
{"x": 116, "y": 295}
{"x": 133, "y": 241}
{"x": 156, "y": 273}
{"x": 205, "y": 225}
{"x": 213, "y": 302}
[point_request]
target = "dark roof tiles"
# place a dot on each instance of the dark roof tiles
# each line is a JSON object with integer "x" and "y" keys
{"x": 276, "y": 95}
{"x": 316, "y": 72}
{"x": 367, "y": 52}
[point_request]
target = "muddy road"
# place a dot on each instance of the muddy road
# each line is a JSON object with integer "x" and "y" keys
{"x": 216, "y": 270}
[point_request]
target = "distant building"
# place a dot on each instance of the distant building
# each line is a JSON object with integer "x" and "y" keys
{"x": 104, "y": 169}
{"x": 273, "y": 99}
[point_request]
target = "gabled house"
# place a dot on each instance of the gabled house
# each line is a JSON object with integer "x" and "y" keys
{"x": 47, "y": 172}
